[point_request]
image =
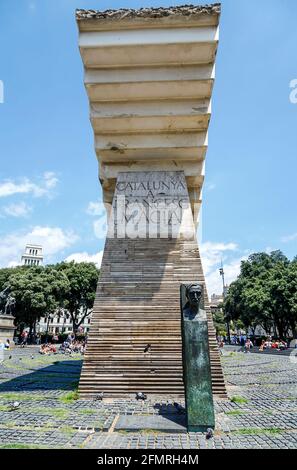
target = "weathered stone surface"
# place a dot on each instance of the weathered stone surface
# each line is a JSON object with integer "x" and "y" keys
{"x": 120, "y": 14}
{"x": 151, "y": 204}
{"x": 7, "y": 328}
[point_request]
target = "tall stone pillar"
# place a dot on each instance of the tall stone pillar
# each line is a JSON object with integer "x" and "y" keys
{"x": 149, "y": 75}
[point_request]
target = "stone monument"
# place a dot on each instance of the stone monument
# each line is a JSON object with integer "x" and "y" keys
{"x": 149, "y": 76}
{"x": 196, "y": 361}
{"x": 7, "y": 305}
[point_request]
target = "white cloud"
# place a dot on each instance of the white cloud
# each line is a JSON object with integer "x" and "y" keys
{"x": 50, "y": 179}
{"x": 95, "y": 208}
{"x": 20, "y": 209}
{"x": 269, "y": 250}
{"x": 212, "y": 254}
{"x": 85, "y": 257}
{"x": 13, "y": 264}
{"x": 52, "y": 239}
{"x": 25, "y": 186}
{"x": 100, "y": 227}
{"x": 214, "y": 280}
{"x": 289, "y": 238}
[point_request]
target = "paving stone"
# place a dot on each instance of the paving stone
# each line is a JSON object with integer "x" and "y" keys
{"x": 267, "y": 418}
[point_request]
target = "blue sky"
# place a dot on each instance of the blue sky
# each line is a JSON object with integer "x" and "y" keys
{"x": 48, "y": 172}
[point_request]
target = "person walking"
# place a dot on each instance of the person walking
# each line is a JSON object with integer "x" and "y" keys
{"x": 24, "y": 338}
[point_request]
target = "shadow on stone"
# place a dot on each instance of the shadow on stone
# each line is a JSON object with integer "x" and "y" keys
{"x": 63, "y": 375}
{"x": 154, "y": 423}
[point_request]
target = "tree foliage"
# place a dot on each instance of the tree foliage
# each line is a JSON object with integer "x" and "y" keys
{"x": 265, "y": 293}
{"x": 38, "y": 292}
{"x": 80, "y": 296}
{"x": 41, "y": 290}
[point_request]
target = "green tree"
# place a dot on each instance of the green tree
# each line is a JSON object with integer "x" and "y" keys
{"x": 38, "y": 291}
{"x": 79, "y": 299}
{"x": 219, "y": 321}
{"x": 5, "y": 274}
{"x": 265, "y": 293}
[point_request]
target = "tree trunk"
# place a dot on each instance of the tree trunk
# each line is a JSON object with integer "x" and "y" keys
{"x": 280, "y": 328}
{"x": 294, "y": 330}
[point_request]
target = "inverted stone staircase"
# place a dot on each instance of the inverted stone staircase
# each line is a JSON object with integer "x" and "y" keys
{"x": 137, "y": 303}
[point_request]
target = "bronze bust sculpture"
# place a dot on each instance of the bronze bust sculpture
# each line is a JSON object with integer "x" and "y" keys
{"x": 196, "y": 361}
{"x": 193, "y": 295}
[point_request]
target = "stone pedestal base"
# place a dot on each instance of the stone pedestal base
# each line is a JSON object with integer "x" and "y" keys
{"x": 6, "y": 328}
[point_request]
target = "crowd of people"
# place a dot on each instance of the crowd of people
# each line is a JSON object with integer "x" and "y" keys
{"x": 278, "y": 344}
{"x": 72, "y": 347}
{"x": 47, "y": 349}
{"x": 69, "y": 346}
{"x": 247, "y": 344}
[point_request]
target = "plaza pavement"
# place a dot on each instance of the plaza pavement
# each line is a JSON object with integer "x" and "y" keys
{"x": 261, "y": 411}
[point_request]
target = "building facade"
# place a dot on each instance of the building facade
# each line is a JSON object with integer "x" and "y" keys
{"x": 59, "y": 324}
{"x": 33, "y": 255}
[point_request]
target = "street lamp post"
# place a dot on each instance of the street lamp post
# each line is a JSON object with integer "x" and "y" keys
{"x": 222, "y": 273}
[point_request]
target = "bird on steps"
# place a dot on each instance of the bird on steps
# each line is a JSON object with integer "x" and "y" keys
{"x": 99, "y": 396}
{"x": 209, "y": 433}
{"x": 147, "y": 349}
{"x": 140, "y": 396}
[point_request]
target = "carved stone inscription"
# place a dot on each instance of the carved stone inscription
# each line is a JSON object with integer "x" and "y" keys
{"x": 151, "y": 204}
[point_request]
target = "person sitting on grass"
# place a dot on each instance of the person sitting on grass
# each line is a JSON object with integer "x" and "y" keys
{"x": 282, "y": 345}
{"x": 52, "y": 348}
{"x": 47, "y": 349}
{"x": 65, "y": 348}
{"x": 248, "y": 345}
{"x": 42, "y": 349}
